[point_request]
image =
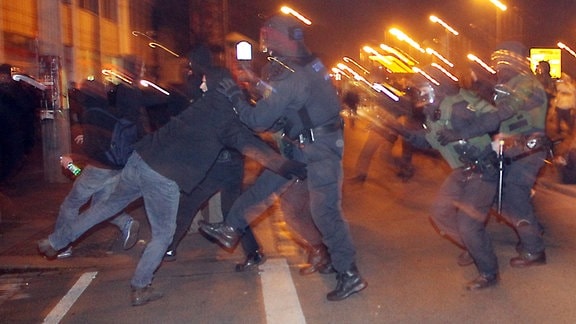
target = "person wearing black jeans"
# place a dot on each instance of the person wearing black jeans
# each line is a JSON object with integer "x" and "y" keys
{"x": 225, "y": 177}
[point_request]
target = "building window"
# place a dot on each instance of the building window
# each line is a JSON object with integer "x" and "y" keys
{"x": 90, "y": 5}
{"x": 110, "y": 9}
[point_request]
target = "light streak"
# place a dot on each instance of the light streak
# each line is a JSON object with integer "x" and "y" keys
{"x": 349, "y": 60}
{"x": 499, "y": 5}
{"x": 439, "y": 21}
{"x": 405, "y": 38}
{"x": 485, "y": 66}
{"x": 147, "y": 83}
{"x": 446, "y": 72}
{"x": 565, "y": 47}
{"x": 290, "y": 11}
{"x": 154, "y": 45}
{"x": 426, "y": 75}
{"x": 402, "y": 56}
{"x": 29, "y": 80}
{"x": 118, "y": 75}
{"x": 439, "y": 56}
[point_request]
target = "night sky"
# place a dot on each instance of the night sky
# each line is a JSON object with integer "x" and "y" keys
{"x": 341, "y": 27}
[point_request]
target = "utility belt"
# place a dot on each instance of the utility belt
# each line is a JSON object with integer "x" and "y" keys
{"x": 521, "y": 146}
{"x": 485, "y": 165}
{"x": 309, "y": 135}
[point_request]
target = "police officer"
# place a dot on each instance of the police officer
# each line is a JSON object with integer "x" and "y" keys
{"x": 302, "y": 102}
{"x": 520, "y": 120}
{"x": 465, "y": 197}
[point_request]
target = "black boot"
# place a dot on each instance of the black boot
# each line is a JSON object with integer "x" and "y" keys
{"x": 253, "y": 260}
{"x": 221, "y": 232}
{"x": 349, "y": 282}
{"x": 318, "y": 260}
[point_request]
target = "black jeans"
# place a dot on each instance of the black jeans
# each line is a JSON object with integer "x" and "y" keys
{"x": 224, "y": 177}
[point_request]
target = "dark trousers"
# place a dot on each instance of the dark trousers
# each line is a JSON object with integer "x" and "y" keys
{"x": 224, "y": 177}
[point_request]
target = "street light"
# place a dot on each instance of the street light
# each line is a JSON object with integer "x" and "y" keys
{"x": 349, "y": 60}
{"x": 500, "y": 7}
{"x": 290, "y": 11}
{"x": 449, "y": 30}
{"x": 440, "y": 22}
{"x": 485, "y": 66}
{"x": 405, "y": 38}
{"x": 565, "y": 47}
{"x": 439, "y": 56}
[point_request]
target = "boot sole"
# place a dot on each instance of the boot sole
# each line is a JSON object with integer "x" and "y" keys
{"x": 356, "y": 289}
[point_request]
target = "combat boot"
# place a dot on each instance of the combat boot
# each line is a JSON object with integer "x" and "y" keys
{"x": 221, "y": 232}
{"x": 349, "y": 282}
{"x": 318, "y": 260}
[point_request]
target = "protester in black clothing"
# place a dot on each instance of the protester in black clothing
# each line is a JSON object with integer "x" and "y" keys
{"x": 173, "y": 159}
{"x": 16, "y": 123}
{"x": 225, "y": 176}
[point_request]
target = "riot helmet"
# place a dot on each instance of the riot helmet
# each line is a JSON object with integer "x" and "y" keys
{"x": 282, "y": 35}
{"x": 510, "y": 58}
{"x": 431, "y": 85}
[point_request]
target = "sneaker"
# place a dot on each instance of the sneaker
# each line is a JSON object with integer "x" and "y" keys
{"x": 170, "y": 256}
{"x": 141, "y": 296}
{"x": 130, "y": 234}
{"x": 65, "y": 254}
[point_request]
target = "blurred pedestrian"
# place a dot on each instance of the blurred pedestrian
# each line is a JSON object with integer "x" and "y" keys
{"x": 351, "y": 99}
{"x": 175, "y": 158}
{"x": 545, "y": 78}
{"x": 302, "y": 102}
{"x": 17, "y": 114}
{"x": 565, "y": 103}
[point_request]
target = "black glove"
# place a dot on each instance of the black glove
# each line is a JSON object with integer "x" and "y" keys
{"x": 231, "y": 90}
{"x": 291, "y": 168}
{"x": 446, "y": 136}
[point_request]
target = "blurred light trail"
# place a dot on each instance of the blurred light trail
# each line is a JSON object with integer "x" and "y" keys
{"x": 349, "y": 60}
{"x": 426, "y": 75}
{"x": 565, "y": 47}
{"x": 290, "y": 11}
{"x": 440, "y": 22}
{"x": 402, "y": 56}
{"x": 405, "y": 38}
{"x": 485, "y": 66}
{"x": 499, "y": 5}
{"x": 147, "y": 83}
{"x": 446, "y": 72}
{"x": 439, "y": 56}
{"x": 154, "y": 45}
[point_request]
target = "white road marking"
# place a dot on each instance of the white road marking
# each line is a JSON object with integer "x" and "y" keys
{"x": 281, "y": 301}
{"x": 67, "y": 301}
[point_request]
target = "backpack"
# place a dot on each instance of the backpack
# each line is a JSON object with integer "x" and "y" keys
{"x": 124, "y": 136}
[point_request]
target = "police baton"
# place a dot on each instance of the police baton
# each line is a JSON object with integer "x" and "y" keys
{"x": 500, "y": 173}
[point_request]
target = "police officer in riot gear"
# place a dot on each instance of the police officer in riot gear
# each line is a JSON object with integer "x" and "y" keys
{"x": 302, "y": 102}
{"x": 464, "y": 199}
{"x": 520, "y": 120}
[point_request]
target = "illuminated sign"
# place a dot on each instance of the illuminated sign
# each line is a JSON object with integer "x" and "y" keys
{"x": 551, "y": 55}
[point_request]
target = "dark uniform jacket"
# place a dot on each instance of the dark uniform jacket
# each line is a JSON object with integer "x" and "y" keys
{"x": 186, "y": 147}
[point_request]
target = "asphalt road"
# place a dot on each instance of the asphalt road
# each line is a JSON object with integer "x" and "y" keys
{"x": 412, "y": 272}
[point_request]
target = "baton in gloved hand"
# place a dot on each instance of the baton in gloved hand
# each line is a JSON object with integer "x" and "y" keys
{"x": 500, "y": 174}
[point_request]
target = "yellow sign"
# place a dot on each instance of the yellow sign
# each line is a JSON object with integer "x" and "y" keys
{"x": 551, "y": 55}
